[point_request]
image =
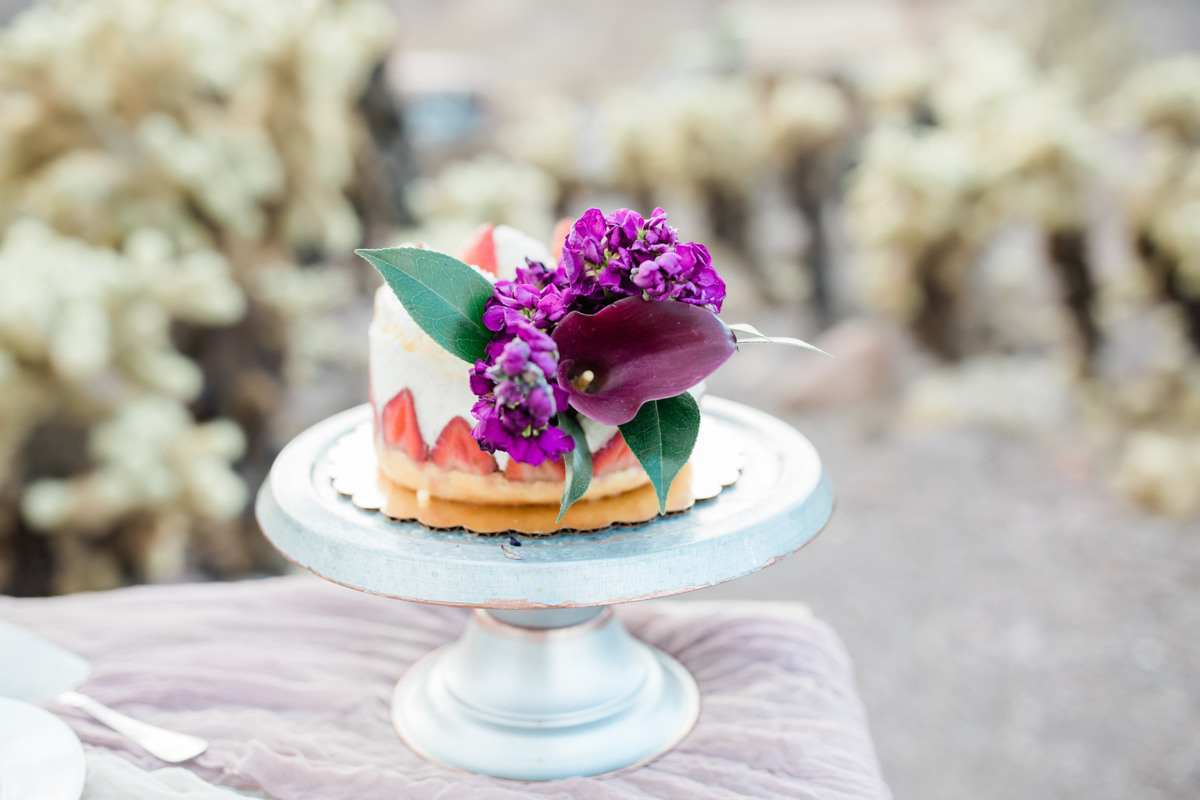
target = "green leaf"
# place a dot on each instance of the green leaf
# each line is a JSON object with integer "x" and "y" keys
{"x": 662, "y": 436}
{"x": 749, "y": 335}
{"x": 442, "y": 295}
{"x": 578, "y": 463}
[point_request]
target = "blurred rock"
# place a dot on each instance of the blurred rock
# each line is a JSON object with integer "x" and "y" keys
{"x": 1161, "y": 472}
{"x": 862, "y": 367}
{"x": 1012, "y": 393}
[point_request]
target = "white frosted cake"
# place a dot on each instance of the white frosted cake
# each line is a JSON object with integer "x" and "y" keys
{"x": 422, "y": 400}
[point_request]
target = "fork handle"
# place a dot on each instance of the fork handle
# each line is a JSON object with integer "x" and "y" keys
{"x": 167, "y": 745}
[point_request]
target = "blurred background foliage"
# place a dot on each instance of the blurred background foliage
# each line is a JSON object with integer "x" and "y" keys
{"x": 1009, "y": 190}
{"x": 177, "y": 179}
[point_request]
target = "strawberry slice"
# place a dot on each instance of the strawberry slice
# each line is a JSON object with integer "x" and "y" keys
{"x": 480, "y": 249}
{"x": 613, "y": 457}
{"x": 456, "y": 449}
{"x": 400, "y": 426}
{"x": 546, "y": 471}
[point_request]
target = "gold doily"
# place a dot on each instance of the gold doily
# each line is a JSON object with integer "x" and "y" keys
{"x": 715, "y": 464}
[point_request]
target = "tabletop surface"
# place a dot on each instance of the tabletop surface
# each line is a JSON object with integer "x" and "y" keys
{"x": 289, "y": 680}
{"x": 780, "y": 503}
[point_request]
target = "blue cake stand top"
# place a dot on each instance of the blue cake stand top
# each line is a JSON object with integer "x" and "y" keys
{"x": 780, "y": 503}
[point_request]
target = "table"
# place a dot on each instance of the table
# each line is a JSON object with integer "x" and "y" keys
{"x": 290, "y": 680}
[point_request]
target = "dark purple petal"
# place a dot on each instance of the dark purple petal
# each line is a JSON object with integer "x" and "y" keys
{"x": 550, "y": 443}
{"x": 561, "y": 399}
{"x": 684, "y": 273}
{"x": 493, "y": 316}
{"x": 526, "y": 450}
{"x": 517, "y": 399}
{"x": 497, "y": 346}
{"x": 480, "y": 384}
{"x": 541, "y": 403}
{"x": 535, "y": 273}
{"x": 555, "y": 441}
{"x": 628, "y": 223}
{"x": 514, "y": 357}
{"x": 637, "y": 350}
{"x": 590, "y": 225}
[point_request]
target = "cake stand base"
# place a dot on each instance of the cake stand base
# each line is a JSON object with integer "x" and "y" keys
{"x": 538, "y": 695}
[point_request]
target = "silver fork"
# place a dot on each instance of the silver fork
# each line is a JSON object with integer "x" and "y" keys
{"x": 166, "y": 745}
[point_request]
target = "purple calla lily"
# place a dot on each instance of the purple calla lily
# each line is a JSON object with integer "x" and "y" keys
{"x": 637, "y": 350}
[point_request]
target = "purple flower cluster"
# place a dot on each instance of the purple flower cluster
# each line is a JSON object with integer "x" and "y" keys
{"x": 606, "y": 258}
{"x": 528, "y": 302}
{"x": 516, "y": 401}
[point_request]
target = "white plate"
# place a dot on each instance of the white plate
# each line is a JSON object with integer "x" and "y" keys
{"x": 33, "y": 668}
{"x": 40, "y": 757}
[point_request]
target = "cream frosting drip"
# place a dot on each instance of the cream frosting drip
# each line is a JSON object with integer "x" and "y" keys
{"x": 597, "y": 433}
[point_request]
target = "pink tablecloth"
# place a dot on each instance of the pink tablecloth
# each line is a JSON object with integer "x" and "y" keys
{"x": 290, "y": 678}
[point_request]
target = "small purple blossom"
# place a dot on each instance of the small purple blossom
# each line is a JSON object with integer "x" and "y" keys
{"x": 620, "y": 255}
{"x": 514, "y": 304}
{"x": 513, "y": 358}
{"x": 538, "y": 274}
{"x": 516, "y": 401}
{"x": 596, "y": 258}
{"x": 684, "y": 273}
{"x": 625, "y": 223}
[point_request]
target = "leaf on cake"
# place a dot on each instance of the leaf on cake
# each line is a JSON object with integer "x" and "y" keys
{"x": 662, "y": 436}
{"x": 748, "y": 334}
{"x": 577, "y": 462}
{"x": 444, "y": 296}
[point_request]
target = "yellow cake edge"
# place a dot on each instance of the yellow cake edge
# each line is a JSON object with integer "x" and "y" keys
{"x": 493, "y": 489}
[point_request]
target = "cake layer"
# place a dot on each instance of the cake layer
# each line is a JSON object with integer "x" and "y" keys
{"x": 454, "y": 468}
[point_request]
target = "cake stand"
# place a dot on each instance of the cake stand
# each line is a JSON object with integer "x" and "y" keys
{"x": 545, "y": 682}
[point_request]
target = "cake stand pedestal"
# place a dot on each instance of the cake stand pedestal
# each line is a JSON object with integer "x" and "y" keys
{"x": 545, "y": 682}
